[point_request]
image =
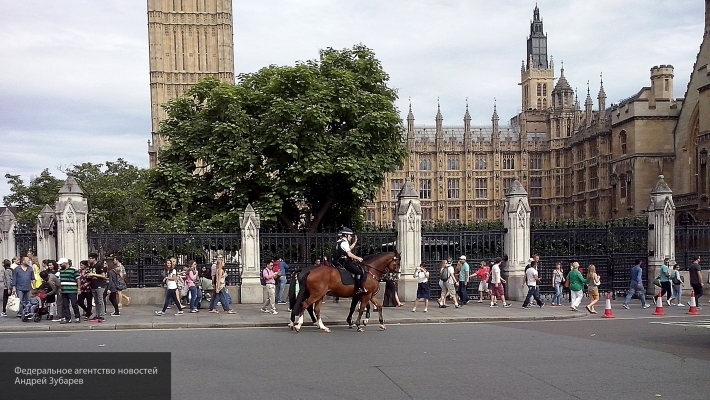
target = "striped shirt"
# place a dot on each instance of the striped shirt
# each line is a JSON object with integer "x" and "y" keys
{"x": 68, "y": 279}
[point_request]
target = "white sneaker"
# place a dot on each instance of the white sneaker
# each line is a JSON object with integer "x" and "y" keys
{"x": 274, "y": 312}
{"x": 414, "y": 310}
{"x": 425, "y": 310}
{"x": 681, "y": 305}
{"x": 264, "y": 310}
{"x": 179, "y": 313}
{"x": 159, "y": 313}
{"x": 668, "y": 302}
{"x": 646, "y": 306}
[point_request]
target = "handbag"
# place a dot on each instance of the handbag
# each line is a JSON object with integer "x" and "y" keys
{"x": 567, "y": 283}
{"x": 13, "y": 303}
{"x": 657, "y": 281}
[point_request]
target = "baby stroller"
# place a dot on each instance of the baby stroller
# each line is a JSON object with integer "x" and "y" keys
{"x": 36, "y": 312}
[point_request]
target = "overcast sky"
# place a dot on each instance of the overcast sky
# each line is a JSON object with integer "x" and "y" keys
{"x": 74, "y": 82}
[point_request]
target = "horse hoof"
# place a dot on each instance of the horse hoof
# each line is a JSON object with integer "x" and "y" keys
{"x": 361, "y": 329}
{"x": 326, "y": 330}
{"x": 364, "y": 322}
{"x": 383, "y": 328}
{"x": 351, "y": 326}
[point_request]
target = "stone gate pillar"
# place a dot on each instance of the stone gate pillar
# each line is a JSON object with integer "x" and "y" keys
{"x": 661, "y": 228}
{"x": 46, "y": 239}
{"x": 71, "y": 213}
{"x": 251, "y": 289}
{"x": 516, "y": 222}
{"x": 409, "y": 240}
{"x": 8, "y": 222}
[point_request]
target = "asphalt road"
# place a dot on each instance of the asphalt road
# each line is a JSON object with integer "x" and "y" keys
{"x": 575, "y": 359}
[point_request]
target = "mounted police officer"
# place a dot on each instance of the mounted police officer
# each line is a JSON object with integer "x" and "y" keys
{"x": 345, "y": 258}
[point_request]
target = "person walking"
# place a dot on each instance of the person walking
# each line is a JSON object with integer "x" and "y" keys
{"x": 497, "y": 282}
{"x": 696, "y": 279}
{"x": 282, "y": 279}
{"x": 558, "y": 281}
{"x": 220, "y": 290}
{"x": 192, "y": 282}
{"x": 171, "y": 293}
{"x": 7, "y": 285}
{"x": 636, "y": 286}
{"x": 449, "y": 278}
{"x": 464, "y": 275}
{"x": 665, "y": 279}
{"x": 112, "y": 288}
{"x": 85, "y": 297}
{"x": 677, "y": 285}
{"x": 69, "y": 280}
{"x": 482, "y": 273}
{"x": 97, "y": 279}
{"x": 22, "y": 281}
{"x": 593, "y": 282}
{"x": 576, "y": 285}
{"x": 270, "y": 288}
{"x": 423, "y": 292}
{"x": 532, "y": 279}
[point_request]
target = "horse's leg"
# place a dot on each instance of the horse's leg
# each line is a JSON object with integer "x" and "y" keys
{"x": 367, "y": 315}
{"x": 321, "y": 326}
{"x": 379, "y": 310}
{"x": 364, "y": 301}
{"x": 349, "y": 320}
{"x": 313, "y": 316}
{"x": 311, "y": 300}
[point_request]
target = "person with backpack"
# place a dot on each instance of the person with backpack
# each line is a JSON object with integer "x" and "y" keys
{"x": 448, "y": 276}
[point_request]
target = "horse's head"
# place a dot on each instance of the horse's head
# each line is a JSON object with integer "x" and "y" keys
{"x": 392, "y": 269}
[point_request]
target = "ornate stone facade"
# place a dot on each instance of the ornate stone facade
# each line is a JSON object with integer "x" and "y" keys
{"x": 575, "y": 161}
{"x": 189, "y": 40}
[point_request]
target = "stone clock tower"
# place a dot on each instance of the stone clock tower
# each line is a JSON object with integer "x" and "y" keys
{"x": 189, "y": 41}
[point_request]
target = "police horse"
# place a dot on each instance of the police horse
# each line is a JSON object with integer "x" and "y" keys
{"x": 325, "y": 280}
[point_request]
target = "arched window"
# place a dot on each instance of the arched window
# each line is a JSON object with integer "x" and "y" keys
{"x": 539, "y": 103}
{"x": 539, "y": 89}
{"x": 425, "y": 164}
{"x": 622, "y": 142}
{"x": 544, "y": 104}
{"x": 544, "y": 89}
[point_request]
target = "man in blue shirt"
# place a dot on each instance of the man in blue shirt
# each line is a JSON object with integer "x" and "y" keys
{"x": 665, "y": 280}
{"x": 283, "y": 274}
{"x": 22, "y": 279}
{"x": 636, "y": 286}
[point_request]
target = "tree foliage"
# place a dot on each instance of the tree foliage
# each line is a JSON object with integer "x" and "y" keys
{"x": 30, "y": 199}
{"x": 306, "y": 145}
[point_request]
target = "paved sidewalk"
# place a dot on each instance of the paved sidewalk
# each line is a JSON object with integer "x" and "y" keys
{"x": 250, "y": 315}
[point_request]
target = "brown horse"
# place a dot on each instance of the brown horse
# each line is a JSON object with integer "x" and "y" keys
{"x": 326, "y": 280}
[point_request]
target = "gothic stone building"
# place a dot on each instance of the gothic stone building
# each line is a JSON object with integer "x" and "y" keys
{"x": 575, "y": 160}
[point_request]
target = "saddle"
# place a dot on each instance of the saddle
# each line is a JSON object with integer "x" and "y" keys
{"x": 346, "y": 277}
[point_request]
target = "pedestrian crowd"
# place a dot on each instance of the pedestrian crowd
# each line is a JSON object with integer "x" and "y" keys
{"x": 55, "y": 288}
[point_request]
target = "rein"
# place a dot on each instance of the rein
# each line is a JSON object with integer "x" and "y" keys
{"x": 385, "y": 273}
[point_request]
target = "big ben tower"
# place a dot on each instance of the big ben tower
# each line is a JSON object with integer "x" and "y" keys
{"x": 189, "y": 41}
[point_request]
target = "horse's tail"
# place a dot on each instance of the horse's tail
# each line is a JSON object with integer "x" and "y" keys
{"x": 301, "y": 296}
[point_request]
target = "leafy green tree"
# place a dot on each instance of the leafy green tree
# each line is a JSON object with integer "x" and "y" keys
{"x": 30, "y": 199}
{"x": 307, "y": 144}
{"x": 116, "y": 193}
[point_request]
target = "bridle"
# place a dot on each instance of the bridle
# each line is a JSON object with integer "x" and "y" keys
{"x": 386, "y": 274}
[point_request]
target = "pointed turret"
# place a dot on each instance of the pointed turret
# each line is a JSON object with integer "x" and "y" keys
{"x": 588, "y": 104}
{"x": 410, "y": 119}
{"x": 494, "y": 118}
{"x": 601, "y": 97}
{"x": 439, "y": 119}
{"x": 467, "y": 119}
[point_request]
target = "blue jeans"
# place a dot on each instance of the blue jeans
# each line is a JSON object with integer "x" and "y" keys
{"x": 532, "y": 293}
{"x": 282, "y": 286}
{"x": 194, "y": 297}
{"x": 641, "y": 292}
{"x": 222, "y": 299}
{"x": 24, "y": 296}
{"x": 557, "y": 298}
{"x": 677, "y": 292}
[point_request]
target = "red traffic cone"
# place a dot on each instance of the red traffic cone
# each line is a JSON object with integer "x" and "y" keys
{"x": 659, "y": 307}
{"x": 607, "y": 308}
{"x": 693, "y": 310}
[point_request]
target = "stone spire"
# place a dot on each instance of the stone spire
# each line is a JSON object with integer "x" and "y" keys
{"x": 410, "y": 118}
{"x": 601, "y": 97}
{"x": 588, "y": 104}
{"x": 467, "y": 119}
{"x": 439, "y": 119}
{"x": 494, "y": 118}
